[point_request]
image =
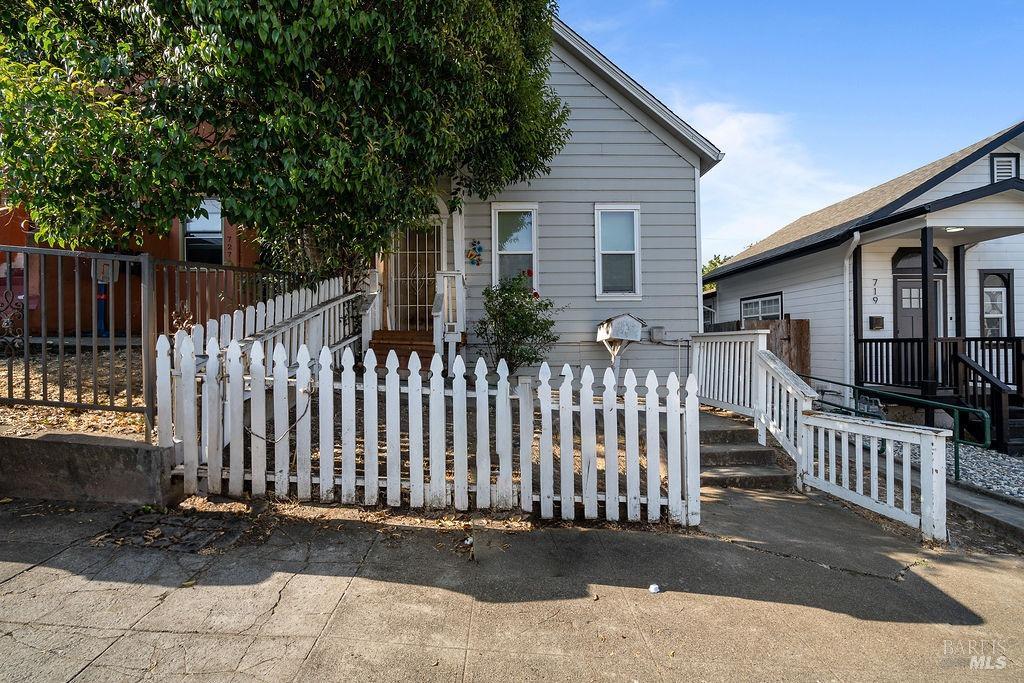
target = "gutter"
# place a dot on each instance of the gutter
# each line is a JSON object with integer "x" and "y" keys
{"x": 848, "y": 307}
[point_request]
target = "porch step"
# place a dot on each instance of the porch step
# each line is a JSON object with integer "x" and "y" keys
{"x": 715, "y": 429}
{"x": 770, "y": 477}
{"x": 403, "y": 343}
{"x": 733, "y": 454}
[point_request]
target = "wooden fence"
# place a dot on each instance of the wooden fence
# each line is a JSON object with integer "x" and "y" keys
{"x": 442, "y": 441}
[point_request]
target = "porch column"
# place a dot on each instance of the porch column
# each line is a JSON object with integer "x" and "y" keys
{"x": 960, "y": 285}
{"x": 928, "y": 303}
{"x": 858, "y": 313}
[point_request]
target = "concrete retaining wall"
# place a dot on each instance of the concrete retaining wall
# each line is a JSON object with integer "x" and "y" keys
{"x": 79, "y": 467}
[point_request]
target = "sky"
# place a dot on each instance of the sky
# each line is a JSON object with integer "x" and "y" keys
{"x": 814, "y": 102}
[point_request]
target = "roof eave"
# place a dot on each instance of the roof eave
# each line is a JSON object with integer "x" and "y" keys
{"x": 709, "y": 154}
{"x": 836, "y": 236}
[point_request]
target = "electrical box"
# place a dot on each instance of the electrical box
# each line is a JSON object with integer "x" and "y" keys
{"x": 876, "y": 322}
{"x": 657, "y": 334}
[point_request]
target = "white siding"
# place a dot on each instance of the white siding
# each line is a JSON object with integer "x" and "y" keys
{"x": 812, "y": 289}
{"x": 616, "y": 155}
{"x": 976, "y": 175}
{"x": 1006, "y": 253}
{"x": 876, "y": 266}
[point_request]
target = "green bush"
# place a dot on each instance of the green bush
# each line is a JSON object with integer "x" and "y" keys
{"x": 517, "y": 325}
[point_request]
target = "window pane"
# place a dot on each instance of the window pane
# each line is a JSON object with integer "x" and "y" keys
{"x": 751, "y": 308}
{"x": 203, "y": 225}
{"x": 510, "y": 265}
{"x": 617, "y": 273}
{"x": 994, "y": 299}
{"x": 994, "y": 280}
{"x": 993, "y": 327}
{"x": 770, "y": 307}
{"x": 617, "y": 231}
{"x": 515, "y": 231}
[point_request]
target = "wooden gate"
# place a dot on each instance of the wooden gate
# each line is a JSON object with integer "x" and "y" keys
{"x": 789, "y": 340}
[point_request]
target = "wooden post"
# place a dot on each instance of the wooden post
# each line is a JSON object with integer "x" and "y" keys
{"x": 930, "y": 385}
{"x": 933, "y": 487}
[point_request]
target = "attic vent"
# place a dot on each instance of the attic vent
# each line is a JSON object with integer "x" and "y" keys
{"x": 1005, "y": 167}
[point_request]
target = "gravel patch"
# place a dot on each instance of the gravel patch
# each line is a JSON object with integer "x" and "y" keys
{"x": 984, "y": 468}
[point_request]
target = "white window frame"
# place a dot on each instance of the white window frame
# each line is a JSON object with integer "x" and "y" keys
{"x": 496, "y": 208}
{"x": 760, "y": 300}
{"x": 637, "y": 293}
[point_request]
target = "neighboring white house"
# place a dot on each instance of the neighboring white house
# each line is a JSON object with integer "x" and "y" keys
{"x": 855, "y": 271}
{"x": 614, "y": 228}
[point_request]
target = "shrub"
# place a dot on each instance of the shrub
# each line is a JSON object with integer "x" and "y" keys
{"x": 517, "y": 325}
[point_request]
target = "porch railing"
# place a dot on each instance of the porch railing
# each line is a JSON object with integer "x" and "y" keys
{"x": 901, "y": 362}
{"x": 449, "y": 314}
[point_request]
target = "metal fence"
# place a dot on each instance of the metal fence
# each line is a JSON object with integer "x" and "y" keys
{"x": 78, "y": 329}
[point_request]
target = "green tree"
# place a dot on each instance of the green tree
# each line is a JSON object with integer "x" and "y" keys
{"x": 518, "y": 324}
{"x": 324, "y": 127}
{"x": 714, "y": 262}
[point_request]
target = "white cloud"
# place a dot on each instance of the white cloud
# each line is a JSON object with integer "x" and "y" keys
{"x": 766, "y": 180}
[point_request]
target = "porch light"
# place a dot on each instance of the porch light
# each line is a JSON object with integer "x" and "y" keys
{"x": 954, "y": 229}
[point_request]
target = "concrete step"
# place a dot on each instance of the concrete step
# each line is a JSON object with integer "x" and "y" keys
{"x": 715, "y": 429}
{"x": 747, "y": 477}
{"x": 730, "y": 454}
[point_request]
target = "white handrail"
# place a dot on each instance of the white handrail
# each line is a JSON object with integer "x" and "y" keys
{"x": 782, "y": 400}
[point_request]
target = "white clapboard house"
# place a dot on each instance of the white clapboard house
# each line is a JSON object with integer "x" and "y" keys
{"x": 857, "y": 271}
{"x": 613, "y": 229}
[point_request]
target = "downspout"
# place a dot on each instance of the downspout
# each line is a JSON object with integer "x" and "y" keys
{"x": 848, "y": 318}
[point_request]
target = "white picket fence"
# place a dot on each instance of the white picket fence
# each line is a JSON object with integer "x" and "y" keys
{"x": 832, "y": 452}
{"x": 432, "y": 453}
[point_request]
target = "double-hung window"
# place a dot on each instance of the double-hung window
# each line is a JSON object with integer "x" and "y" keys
{"x": 204, "y": 235}
{"x": 996, "y": 303}
{"x": 767, "y": 307}
{"x": 617, "y": 235}
{"x": 514, "y": 235}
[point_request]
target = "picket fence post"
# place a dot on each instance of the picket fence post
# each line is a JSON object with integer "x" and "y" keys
{"x": 483, "y": 437}
{"x": 282, "y": 449}
{"x": 212, "y": 421}
{"x": 438, "y": 493}
{"x": 416, "y": 495}
{"x": 525, "y": 443}
{"x": 371, "y": 430}
{"x": 258, "y": 420}
{"x": 566, "y": 447}
{"x": 632, "y": 448}
{"x": 691, "y": 451}
{"x": 459, "y": 434}
{"x": 186, "y": 419}
{"x": 547, "y": 484}
{"x": 653, "y": 418}
{"x": 609, "y": 420}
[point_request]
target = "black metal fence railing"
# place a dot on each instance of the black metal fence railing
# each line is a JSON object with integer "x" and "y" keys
{"x": 79, "y": 329}
{"x": 75, "y": 329}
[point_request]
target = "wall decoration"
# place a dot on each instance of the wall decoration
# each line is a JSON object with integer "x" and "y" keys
{"x": 475, "y": 253}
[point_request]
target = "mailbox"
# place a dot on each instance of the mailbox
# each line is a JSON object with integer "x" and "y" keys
{"x": 618, "y": 332}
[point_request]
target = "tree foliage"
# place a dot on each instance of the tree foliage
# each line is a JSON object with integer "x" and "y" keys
{"x": 714, "y": 262}
{"x": 518, "y": 324}
{"x": 324, "y": 126}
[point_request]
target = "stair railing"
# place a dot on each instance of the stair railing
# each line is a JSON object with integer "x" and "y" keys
{"x": 372, "y": 312}
{"x": 781, "y": 406}
{"x": 979, "y": 388}
{"x": 449, "y": 313}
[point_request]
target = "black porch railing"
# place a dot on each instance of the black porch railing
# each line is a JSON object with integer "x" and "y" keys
{"x": 902, "y": 362}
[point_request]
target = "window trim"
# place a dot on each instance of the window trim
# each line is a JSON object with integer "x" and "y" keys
{"x": 637, "y": 293}
{"x": 1002, "y": 155}
{"x": 1007, "y": 274}
{"x": 759, "y": 297}
{"x": 496, "y": 208}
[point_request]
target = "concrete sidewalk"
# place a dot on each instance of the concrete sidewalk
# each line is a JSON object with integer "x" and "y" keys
{"x": 775, "y": 586}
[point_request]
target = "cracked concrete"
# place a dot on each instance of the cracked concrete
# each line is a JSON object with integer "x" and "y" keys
{"x": 774, "y": 585}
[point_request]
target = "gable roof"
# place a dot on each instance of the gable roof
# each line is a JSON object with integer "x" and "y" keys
{"x": 822, "y": 228}
{"x": 638, "y": 95}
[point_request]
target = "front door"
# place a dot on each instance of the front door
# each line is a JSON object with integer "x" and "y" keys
{"x": 412, "y": 279}
{"x": 910, "y": 309}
